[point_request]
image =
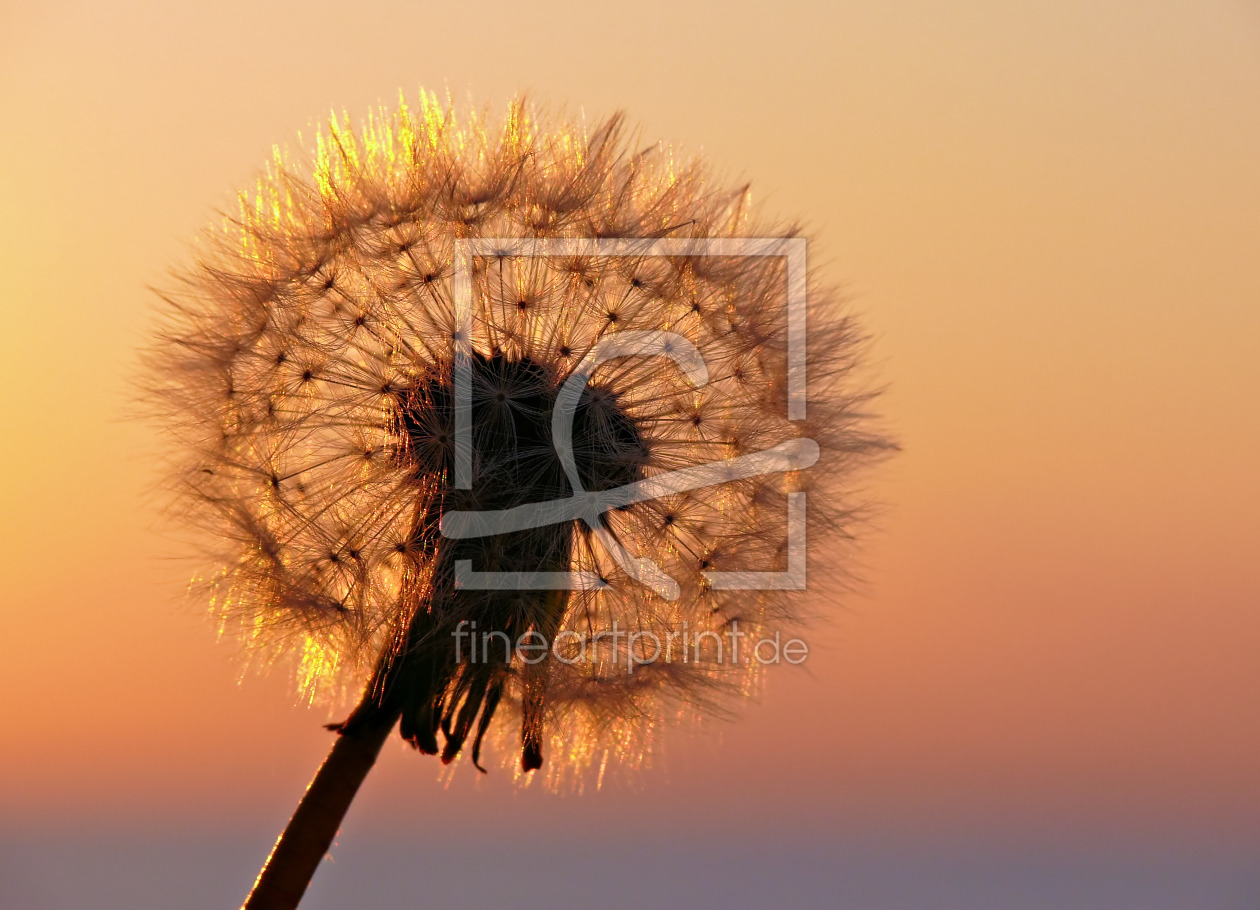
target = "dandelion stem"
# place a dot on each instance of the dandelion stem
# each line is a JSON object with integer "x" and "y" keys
{"x": 306, "y": 839}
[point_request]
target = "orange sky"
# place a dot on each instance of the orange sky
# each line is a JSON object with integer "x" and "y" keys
{"x": 1049, "y": 215}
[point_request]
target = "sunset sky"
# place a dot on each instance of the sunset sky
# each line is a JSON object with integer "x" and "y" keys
{"x": 1047, "y": 215}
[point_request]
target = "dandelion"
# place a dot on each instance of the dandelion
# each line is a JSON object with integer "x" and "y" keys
{"x": 309, "y": 365}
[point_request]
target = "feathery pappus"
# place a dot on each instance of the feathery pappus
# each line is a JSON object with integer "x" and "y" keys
{"x": 307, "y": 366}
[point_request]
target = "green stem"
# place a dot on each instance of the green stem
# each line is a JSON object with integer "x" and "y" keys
{"x": 306, "y": 839}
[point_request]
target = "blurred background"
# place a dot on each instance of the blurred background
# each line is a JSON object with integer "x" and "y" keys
{"x": 1045, "y": 694}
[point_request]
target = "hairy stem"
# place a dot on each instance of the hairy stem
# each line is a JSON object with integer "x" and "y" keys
{"x": 306, "y": 839}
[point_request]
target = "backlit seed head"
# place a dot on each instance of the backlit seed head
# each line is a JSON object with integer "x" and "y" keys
{"x": 306, "y": 365}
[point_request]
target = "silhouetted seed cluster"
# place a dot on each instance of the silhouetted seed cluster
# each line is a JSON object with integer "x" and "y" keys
{"x": 306, "y": 365}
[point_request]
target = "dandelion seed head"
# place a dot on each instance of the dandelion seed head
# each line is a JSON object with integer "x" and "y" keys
{"x": 306, "y": 368}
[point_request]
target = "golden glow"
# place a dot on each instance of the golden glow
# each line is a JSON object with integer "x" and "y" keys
{"x": 1046, "y": 218}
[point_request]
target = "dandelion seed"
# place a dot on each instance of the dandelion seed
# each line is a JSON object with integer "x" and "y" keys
{"x": 307, "y": 366}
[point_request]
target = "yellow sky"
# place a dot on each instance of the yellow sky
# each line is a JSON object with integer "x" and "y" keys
{"x": 1048, "y": 214}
